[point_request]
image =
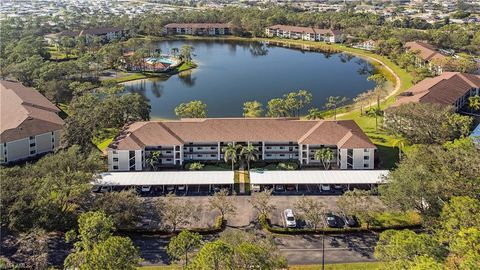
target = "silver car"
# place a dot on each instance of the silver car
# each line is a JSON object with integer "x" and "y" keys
{"x": 289, "y": 218}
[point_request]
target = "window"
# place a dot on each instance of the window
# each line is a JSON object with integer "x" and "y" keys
{"x": 32, "y": 137}
{"x": 169, "y": 159}
{"x": 366, "y": 165}
{"x": 268, "y": 147}
{"x": 213, "y": 148}
{"x": 199, "y": 155}
{"x": 282, "y": 155}
{"x": 213, "y": 155}
{"x": 114, "y": 152}
{"x": 199, "y": 148}
{"x": 366, "y": 157}
{"x": 32, "y": 152}
{"x": 115, "y": 159}
{"x": 168, "y": 152}
{"x": 281, "y": 147}
{"x": 53, "y": 139}
{"x": 366, "y": 150}
{"x": 115, "y": 167}
{"x": 32, "y": 145}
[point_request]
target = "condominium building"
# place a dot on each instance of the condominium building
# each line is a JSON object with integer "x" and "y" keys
{"x": 304, "y": 33}
{"x": 450, "y": 88}
{"x": 30, "y": 125}
{"x": 207, "y": 29}
{"x": 105, "y": 34}
{"x": 276, "y": 139}
{"x": 428, "y": 56}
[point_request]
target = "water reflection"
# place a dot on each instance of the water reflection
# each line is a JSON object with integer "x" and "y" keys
{"x": 186, "y": 78}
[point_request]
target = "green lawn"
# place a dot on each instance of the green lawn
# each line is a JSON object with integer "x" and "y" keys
{"x": 397, "y": 219}
{"x": 56, "y": 54}
{"x": 104, "y": 137}
{"x": 131, "y": 77}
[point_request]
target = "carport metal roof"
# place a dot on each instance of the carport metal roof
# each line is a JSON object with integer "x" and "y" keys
{"x": 165, "y": 178}
{"x": 318, "y": 177}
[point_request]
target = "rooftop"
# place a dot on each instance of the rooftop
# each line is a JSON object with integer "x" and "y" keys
{"x": 301, "y": 29}
{"x": 165, "y": 178}
{"x": 426, "y": 51}
{"x": 318, "y": 177}
{"x": 443, "y": 89}
{"x": 25, "y": 112}
{"x": 343, "y": 134}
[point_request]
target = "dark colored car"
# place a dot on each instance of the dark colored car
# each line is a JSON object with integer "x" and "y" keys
{"x": 333, "y": 221}
{"x": 351, "y": 221}
{"x": 290, "y": 188}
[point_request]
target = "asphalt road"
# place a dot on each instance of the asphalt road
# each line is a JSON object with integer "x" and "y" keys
{"x": 298, "y": 249}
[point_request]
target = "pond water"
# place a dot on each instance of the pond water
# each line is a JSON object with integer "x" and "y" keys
{"x": 230, "y": 73}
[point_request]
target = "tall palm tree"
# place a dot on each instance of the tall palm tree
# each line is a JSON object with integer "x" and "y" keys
{"x": 379, "y": 80}
{"x": 249, "y": 153}
{"x": 400, "y": 143}
{"x": 230, "y": 152}
{"x": 324, "y": 155}
{"x": 375, "y": 112}
{"x": 154, "y": 159}
{"x": 314, "y": 114}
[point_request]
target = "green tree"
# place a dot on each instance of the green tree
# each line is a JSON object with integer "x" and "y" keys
{"x": 154, "y": 159}
{"x": 421, "y": 123}
{"x": 196, "y": 166}
{"x": 230, "y": 152}
{"x": 214, "y": 255}
{"x": 375, "y": 113}
{"x": 334, "y": 102}
{"x": 261, "y": 201}
{"x": 314, "y": 114}
{"x": 311, "y": 210}
{"x": 222, "y": 202}
{"x": 249, "y": 153}
{"x": 399, "y": 248}
{"x": 186, "y": 53}
{"x": 277, "y": 108}
{"x": 125, "y": 208}
{"x": 460, "y": 213}
{"x": 192, "y": 109}
{"x": 399, "y": 142}
{"x": 428, "y": 176}
{"x": 181, "y": 245}
{"x": 474, "y": 103}
{"x": 379, "y": 80}
{"x": 464, "y": 250}
{"x": 252, "y": 109}
{"x": 325, "y": 156}
{"x": 360, "y": 203}
{"x": 114, "y": 253}
{"x": 176, "y": 212}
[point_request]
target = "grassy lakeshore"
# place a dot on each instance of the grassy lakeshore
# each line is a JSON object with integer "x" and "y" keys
{"x": 144, "y": 75}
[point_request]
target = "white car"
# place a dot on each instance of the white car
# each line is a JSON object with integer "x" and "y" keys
{"x": 289, "y": 218}
{"x": 146, "y": 189}
{"x": 325, "y": 187}
{"x": 181, "y": 188}
{"x": 338, "y": 186}
{"x": 170, "y": 189}
{"x": 255, "y": 188}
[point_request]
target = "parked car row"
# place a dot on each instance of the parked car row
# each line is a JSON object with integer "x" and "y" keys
{"x": 178, "y": 190}
{"x": 301, "y": 188}
{"x": 331, "y": 220}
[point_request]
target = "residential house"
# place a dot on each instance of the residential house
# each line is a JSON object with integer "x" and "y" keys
{"x": 276, "y": 139}
{"x": 304, "y": 33}
{"x": 428, "y": 55}
{"x": 30, "y": 125}
{"x": 450, "y": 88}
{"x": 105, "y": 34}
{"x": 201, "y": 29}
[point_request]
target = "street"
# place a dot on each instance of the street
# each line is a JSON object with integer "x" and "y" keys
{"x": 298, "y": 249}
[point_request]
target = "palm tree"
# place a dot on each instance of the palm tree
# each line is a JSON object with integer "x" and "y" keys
{"x": 154, "y": 159}
{"x": 324, "y": 155}
{"x": 474, "y": 103}
{"x": 230, "y": 152}
{"x": 249, "y": 153}
{"x": 374, "y": 112}
{"x": 314, "y": 114}
{"x": 379, "y": 80}
{"x": 400, "y": 143}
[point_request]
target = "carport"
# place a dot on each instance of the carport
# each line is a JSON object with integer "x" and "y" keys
{"x": 193, "y": 181}
{"x": 310, "y": 180}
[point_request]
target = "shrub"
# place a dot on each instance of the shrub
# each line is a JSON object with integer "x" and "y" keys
{"x": 195, "y": 166}
{"x": 287, "y": 166}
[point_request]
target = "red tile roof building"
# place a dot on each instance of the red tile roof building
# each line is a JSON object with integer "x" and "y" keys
{"x": 211, "y": 29}
{"x": 276, "y": 139}
{"x": 450, "y": 88}
{"x": 304, "y": 33}
{"x": 427, "y": 55}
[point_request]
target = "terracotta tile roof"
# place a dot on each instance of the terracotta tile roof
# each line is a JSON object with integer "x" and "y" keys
{"x": 153, "y": 133}
{"x": 444, "y": 89}
{"x": 426, "y": 51}
{"x": 308, "y": 30}
{"x": 197, "y": 25}
{"x": 25, "y": 112}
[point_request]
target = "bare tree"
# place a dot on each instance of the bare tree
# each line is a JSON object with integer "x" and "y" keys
{"x": 222, "y": 202}
{"x": 33, "y": 249}
{"x": 312, "y": 210}
{"x": 177, "y": 211}
{"x": 261, "y": 201}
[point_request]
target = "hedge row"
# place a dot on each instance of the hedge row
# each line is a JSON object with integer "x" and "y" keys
{"x": 265, "y": 223}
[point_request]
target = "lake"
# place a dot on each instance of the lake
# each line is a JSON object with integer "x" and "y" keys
{"x": 230, "y": 73}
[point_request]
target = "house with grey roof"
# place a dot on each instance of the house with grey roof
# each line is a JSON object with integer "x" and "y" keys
{"x": 30, "y": 125}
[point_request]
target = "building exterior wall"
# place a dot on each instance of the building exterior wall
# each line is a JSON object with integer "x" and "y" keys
{"x": 29, "y": 147}
{"x": 119, "y": 160}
